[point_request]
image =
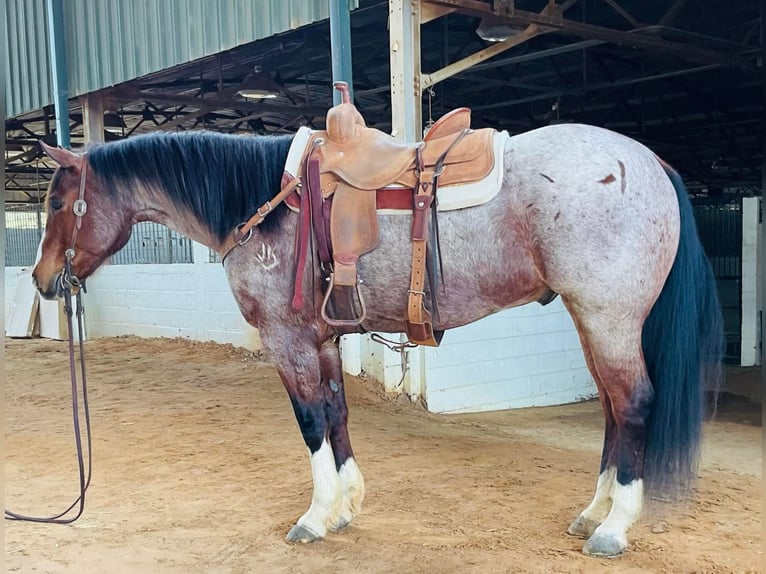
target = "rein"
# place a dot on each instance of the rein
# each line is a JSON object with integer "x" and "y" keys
{"x": 70, "y": 281}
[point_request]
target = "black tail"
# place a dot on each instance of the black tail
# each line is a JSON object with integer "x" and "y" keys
{"x": 683, "y": 347}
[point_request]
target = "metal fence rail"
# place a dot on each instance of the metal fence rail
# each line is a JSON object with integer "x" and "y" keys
{"x": 720, "y": 230}
{"x": 149, "y": 243}
{"x": 154, "y": 243}
{"x": 23, "y": 230}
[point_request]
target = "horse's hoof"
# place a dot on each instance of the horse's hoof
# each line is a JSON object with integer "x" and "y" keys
{"x": 603, "y": 546}
{"x": 582, "y": 527}
{"x": 340, "y": 524}
{"x": 300, "y": 534}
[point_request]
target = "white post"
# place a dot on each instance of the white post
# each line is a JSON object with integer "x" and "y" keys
{"x": 351, "y": 353}
{"x": 200, "y": 253}
{"x": 405, "y": 373}
{"x": 404, "y": 43}
{"x": 752, "y": 281}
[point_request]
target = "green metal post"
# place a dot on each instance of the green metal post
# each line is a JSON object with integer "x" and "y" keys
{"x": 340, "y": 45}
{"x": 57, "y": 47}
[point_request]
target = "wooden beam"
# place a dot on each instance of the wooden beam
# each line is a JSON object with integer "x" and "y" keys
{"x": 404, "y": 45}
{"x": 430, "y": 12}
{"x": 633, "y": 39}
{"x": 480, "y": 56}
{"x": 93, "y": 117}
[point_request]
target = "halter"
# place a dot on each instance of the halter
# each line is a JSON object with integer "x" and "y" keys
{"x": 79, "y": 208}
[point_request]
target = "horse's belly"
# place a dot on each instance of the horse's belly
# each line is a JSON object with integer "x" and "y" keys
{"x": 486, "y": 268}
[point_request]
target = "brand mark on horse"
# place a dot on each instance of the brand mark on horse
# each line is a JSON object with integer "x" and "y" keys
{"x": 266, "y": 257}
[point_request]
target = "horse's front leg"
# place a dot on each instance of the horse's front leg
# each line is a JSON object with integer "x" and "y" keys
{"x": 351, "y": 479}
{"x": 312, "y": 379}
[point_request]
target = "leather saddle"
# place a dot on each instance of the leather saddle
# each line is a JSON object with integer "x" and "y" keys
{"x": 346, "y": 170}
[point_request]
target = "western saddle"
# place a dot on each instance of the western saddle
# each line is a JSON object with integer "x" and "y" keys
{"x": 349, "y": 171}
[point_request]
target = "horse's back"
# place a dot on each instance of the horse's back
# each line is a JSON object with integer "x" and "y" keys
{"x": 602, "y": 213}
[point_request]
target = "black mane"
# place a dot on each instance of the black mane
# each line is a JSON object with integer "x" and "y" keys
{"x": 221, "y": 179}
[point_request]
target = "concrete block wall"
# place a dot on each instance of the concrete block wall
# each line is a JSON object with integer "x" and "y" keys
{"x": 528, "y": 356}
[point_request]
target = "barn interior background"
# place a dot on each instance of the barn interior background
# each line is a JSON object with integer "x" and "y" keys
{"x": 685, "y": 77}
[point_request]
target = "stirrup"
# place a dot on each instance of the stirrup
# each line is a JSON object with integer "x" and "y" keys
{"x": 355, "y": 322}
{"x": 423, "y": 333}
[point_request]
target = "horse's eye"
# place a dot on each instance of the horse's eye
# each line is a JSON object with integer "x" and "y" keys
{"x": 56, "y": 203}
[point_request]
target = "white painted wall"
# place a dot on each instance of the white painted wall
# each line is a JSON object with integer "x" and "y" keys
{"x": 752, "y": 281}
{"x": 523, "y": 357}
{"x": 181, "y": 300}
{"x": 528, "y": 356}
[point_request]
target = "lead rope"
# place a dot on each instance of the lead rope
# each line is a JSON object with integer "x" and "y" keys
{"x": 68, "y": 280}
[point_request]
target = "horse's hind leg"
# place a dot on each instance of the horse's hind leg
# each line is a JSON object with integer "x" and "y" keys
{"x": 616, "y": 361}
{"x": 595, "y": 513}
{"x": 311, "y": 377}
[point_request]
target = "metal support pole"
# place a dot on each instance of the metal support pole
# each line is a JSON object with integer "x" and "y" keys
{"x": 340, "y": 46}
{"x": 404, "y": 41}
{"x": 57, "y": 47}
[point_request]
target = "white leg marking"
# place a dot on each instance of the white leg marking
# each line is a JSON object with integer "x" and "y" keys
{"x": 599, "y": 507}
{"x": 352, "y": 482}
{"x": 594, "y": 514}
{"x": 627, "y": 501}
{"x": 328, "y": 494}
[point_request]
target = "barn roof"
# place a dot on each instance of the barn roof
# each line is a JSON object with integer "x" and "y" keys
{"x": 682, "y": 76}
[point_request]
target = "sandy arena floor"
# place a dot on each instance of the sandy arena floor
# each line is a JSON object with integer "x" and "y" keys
{"x": 199, "y": 468}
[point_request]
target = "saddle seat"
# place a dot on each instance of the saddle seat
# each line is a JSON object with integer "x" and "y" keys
{"x": 367, "y": 158}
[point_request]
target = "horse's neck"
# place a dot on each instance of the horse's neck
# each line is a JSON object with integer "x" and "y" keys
{"x": 157, "y": 207}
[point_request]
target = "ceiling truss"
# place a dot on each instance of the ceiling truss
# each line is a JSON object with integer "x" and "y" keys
{"x": 681, "y": 76}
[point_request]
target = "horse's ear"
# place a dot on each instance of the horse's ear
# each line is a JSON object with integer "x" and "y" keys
{"x": 62, "y": 156}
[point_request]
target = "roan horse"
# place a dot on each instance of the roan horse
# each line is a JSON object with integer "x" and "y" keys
{"x": 582, "y": 212}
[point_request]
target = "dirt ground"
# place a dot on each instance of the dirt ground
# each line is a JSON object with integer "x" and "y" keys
{"x": 198, "y": 467}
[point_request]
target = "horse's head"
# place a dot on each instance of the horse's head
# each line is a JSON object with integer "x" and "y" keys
{"x": 85, "y": 223}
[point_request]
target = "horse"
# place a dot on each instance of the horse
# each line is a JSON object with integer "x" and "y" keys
{"x": 582, "y": 212}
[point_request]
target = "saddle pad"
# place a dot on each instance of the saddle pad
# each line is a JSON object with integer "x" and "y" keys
{"x": 451, "y": 197}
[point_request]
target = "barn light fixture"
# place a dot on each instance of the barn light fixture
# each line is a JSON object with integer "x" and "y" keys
{"x": 259, "y": 87}
{"x": 494, "y": 29}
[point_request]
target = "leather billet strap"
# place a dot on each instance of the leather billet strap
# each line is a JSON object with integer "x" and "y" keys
{"x": 242, "y": 233}
{"x": 418, "y": 321}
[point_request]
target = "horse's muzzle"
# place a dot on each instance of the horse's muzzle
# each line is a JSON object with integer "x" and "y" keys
{"x": 54, "y": 288}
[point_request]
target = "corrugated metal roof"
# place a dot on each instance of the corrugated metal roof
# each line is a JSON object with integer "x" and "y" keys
{"x": 112, "y": 41}
{"x": 27, "y": 81}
